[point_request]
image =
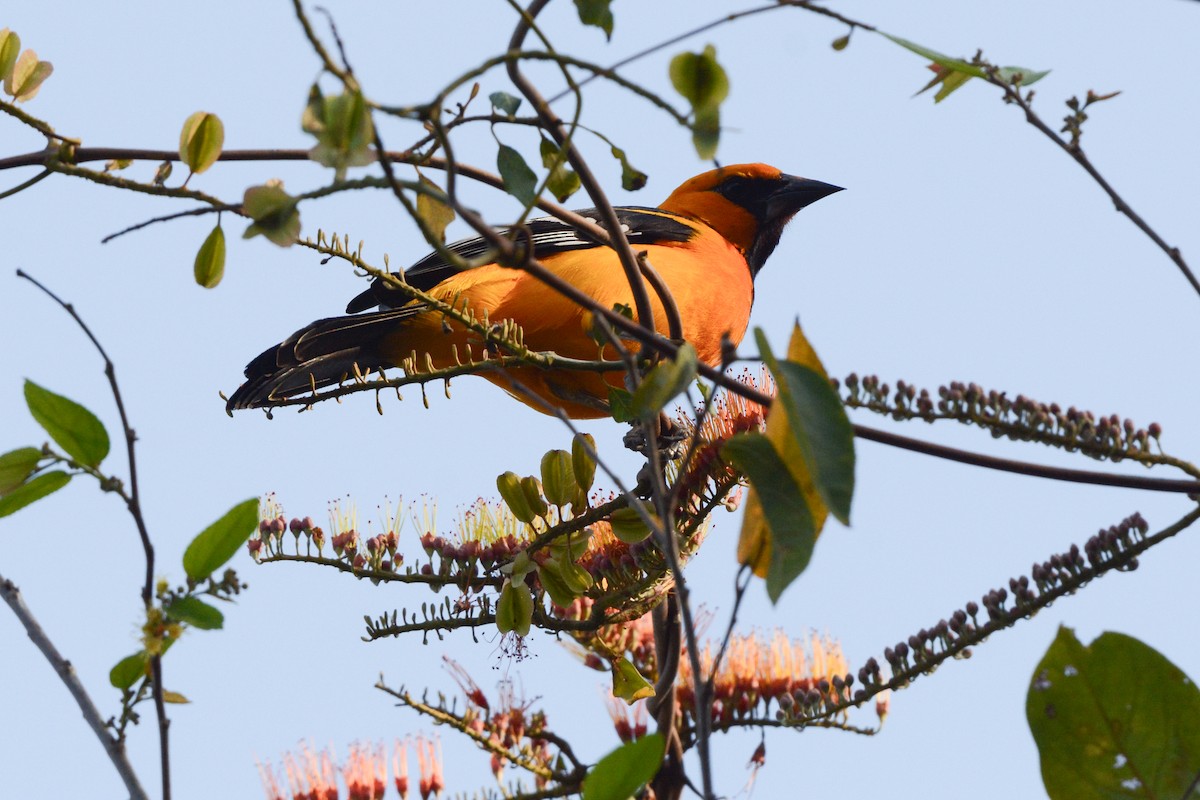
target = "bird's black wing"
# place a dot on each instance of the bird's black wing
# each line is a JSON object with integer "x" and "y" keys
{"x": 549, "y": 235}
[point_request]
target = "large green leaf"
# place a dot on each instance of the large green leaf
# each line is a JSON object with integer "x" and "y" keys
{"x": 818, "y": 423}
{"x": 34, "y": 490}
{"x": 1113, "y": 720}
{"x": 16, "y": 466}
{"x": 126, "y": 672}
{"x": 196, "y": 613}
{"x": 519, "y": 179}
{"x": 201, "y": 140}
{"x": 782, "y": 505}
{"x": 622, "y": 772}
{"x": 629, "y": 684}
{"x": 209, "y": 266}
{"x": 217, "y": 543}
{"x": 75, "y": 429}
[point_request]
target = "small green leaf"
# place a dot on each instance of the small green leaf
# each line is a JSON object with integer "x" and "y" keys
{"x": 519, "y": 180}
{"x": 840, "y": 43}
{"x": 562, "y": 181}
{"x": 629, "y": 684}
{"x": 27, "y": 76}
{"x": 818, "y": 424}
{"x": 505, "y": 102}
{"x": 274, "y": 213}
{"x": 16, "y": 466}
{"x": 343, "y": 127}
{"x": 620, "y": 402}
{"x": 509, "y": 486}
{"x": 700, "y": 79}
{"x": 163, "y": 172}
{"x": 664, "y": 382}
{"x": 622, "y": 772}
{"x": 210, "y": 259}
{"x": 432, "y": 210}
{"x": 1114, "y": 719}
{"x": 956, "y": 64}
{"x": 196, "y": 613}
{"x": 10, "y": 48}
{"x": 706, "y": 132}
{"x": 75, "y": 429}
{"x": 582, "y": 463}
{"x": 32, "y": 491}
{"x": 628, "y": 525}
{"x": 782, "y": 503}
{"x": 218, "y": 543}
{"x": 174, "y": 697}
{"x": 1027, "y": 76}
{"x": 558, "y": 478}
{"x": 596, "y": 13}
{"x": 632, "y": 179}
{"x": 129, "y": 670}
{"x": 201, "y": 140}
{"x": 514, "y": 609}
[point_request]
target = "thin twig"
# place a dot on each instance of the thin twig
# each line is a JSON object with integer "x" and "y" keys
{"x": 116, "y": 753}
{"x": 134, "y": 506}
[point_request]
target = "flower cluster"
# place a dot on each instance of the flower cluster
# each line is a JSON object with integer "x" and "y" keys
{"x": 1020, "y": 418}
{"x": 309, "y": 775}
{"x": 800, "y": 677}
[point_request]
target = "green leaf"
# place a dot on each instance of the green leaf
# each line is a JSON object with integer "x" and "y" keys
{"x": 840, "y": 43}
{"x": 620, "y": 774}
{"x": 514, "y": 609}
{"x": 505, "y": 102}
{"x": 628, "y": 525}
{"x": 784, "y": 508}
{"x": 818, "y": 424}
{"x": 218, "y": 543}
{"x": 596, "y": 13}
{"x": 558, "y": 478}
{"x": 629, "y": 684}
{"x": 44, "y": 484}
{"x": 27, "y": 76}
{"x": 664, "y": 382}
{"x": 562, "y": 181}
{"x": 1025, "y": 77}
{"x": 196, "y": 613}
{"x": 174, "y": 697}
{"x": 582, "y": 464}
{"x": 16, "y": 466}
{"x": 433, "y": 211}
{"x": 700, "y": 79}
{"x": 1113, "y": 720}
{"x": 274, "y": 213}
{"x": 956, "y": 64}
{"x": 75, "y": 429}
{"x": 10, "y": 48}
{"x": 620, "y": 402}
{"x": 201, "y": 140}
{"x": 632, "y": 179}
{"x": 519, "y": 179}
{"x": 509, "y": 486}
{"x": 210, "y": 259}
{"x": 706, "y": 132}
{"x": 129, "y": 670}
{"x": 343, "y": 127}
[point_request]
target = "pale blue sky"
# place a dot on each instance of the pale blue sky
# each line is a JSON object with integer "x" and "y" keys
{"x": 967, "y": 247}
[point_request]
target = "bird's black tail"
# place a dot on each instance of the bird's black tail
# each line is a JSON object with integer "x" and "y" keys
{"x": 324, "y": 353}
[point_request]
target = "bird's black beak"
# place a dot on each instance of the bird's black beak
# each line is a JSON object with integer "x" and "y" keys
{"x": 796, "y": 193}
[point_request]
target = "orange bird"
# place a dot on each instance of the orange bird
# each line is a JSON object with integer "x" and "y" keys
{"x": 707, "y": 241}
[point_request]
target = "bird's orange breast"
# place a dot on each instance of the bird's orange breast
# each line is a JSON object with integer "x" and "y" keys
{"x": 707, "y": 276}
